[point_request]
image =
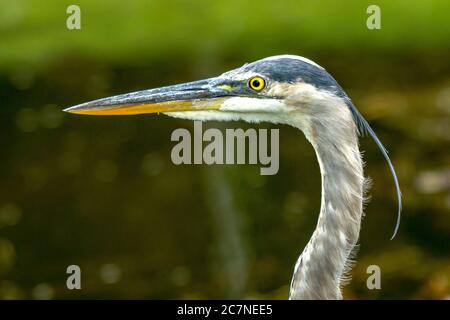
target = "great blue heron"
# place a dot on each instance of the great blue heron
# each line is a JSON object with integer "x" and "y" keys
{"x": 295, "y": 91}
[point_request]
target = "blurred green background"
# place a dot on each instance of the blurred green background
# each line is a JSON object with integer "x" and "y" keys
{"x": 103, "y": 193}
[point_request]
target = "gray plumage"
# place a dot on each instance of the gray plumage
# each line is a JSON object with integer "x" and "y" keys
{"x": 300, "y": 93}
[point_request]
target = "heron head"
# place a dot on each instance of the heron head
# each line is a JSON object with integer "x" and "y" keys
{"x": 271, "y": 89}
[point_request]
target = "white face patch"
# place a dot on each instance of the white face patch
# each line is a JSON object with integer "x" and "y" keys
{"x": 252, "y": 110}
{"x": 205, "y": 115}
{"x": 243, "y": 104}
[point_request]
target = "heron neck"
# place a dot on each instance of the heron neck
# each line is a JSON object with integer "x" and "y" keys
{"x": 321, "y": 268}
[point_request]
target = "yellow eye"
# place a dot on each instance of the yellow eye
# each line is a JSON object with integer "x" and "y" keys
{"x": 257, "y": 83}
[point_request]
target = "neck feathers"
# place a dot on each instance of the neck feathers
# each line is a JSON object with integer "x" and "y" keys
{"x": 321, "y": 268}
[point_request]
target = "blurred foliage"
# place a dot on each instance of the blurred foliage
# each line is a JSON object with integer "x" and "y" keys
{"x": 102, "y": 193}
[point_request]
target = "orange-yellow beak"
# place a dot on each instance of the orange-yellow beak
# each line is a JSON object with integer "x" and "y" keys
{"x": 192, "y": 96}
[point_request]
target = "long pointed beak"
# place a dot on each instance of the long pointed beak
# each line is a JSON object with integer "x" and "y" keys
{"x": 192, "y": 96}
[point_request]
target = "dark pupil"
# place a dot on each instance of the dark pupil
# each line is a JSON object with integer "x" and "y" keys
{"x": 256, "y": 83}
